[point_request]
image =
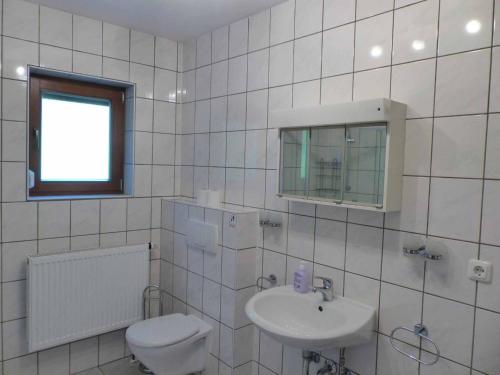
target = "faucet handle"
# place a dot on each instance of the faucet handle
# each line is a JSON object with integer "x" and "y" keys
{"x": 327, "y": 282}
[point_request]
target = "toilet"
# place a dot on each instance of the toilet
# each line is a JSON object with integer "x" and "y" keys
{"x": 174, "y": 344}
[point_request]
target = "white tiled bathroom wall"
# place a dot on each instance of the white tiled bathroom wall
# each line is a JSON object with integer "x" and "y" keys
{"x": 40, "y": 36}
{"x": 311, "y": 52}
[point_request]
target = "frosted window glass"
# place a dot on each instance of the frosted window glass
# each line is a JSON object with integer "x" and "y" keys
{"x": 75, "y": 139}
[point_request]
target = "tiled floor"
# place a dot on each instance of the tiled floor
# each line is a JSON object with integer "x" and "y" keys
{"x": 121, "y": 367}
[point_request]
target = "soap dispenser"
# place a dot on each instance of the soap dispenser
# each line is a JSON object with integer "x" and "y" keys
{"x": 301, "y": 279}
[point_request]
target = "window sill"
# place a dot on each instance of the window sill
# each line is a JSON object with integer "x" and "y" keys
{"x": 77, "y": 197}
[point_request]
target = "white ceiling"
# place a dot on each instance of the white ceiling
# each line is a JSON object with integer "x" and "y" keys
{"x": 173, "y": 19}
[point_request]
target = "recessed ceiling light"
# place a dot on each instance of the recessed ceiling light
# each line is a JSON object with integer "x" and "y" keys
{"x": 473, "y": 26}
{"x": 20, "y": 70}
{"x": 418, "y": 45}
{"x": 376, "y": 51}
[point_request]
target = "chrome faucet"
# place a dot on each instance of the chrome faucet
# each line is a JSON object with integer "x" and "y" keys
{"x": 326, "y": 290}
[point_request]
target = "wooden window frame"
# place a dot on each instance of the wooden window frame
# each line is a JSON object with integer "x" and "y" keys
{"x": 116, "y": 95}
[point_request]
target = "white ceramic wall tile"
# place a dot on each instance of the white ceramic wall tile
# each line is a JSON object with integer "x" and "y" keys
{"x": 257, "y": 102}
{"x": 87, "y": 35}
{"x": 21, "y": 19}
{"x": 142, "y": 48}
{"x": 451, "y": 325}
{"x": 373, "y": 42}
{"x": 14, "y": 100}
{"x": 259, "y": 29}
{"x": 83, "y": 355}
{"x": 486, "y": 291}
{"x": 219, "y": 79}
{"x": 281, "y": 64}
{"x": 14, "y": 141}
{"x": 220, "y": 43}
{"x": 455, "y": 207}
{"x": 27, "y": 365}
{"x": 390, "y": 362}
{"x": 203, "y": 77}
{"x": 54, "y": 361}
{"x": 238, "y": 38}
{"x": 258, "y": 69}
{"x": 367, "y": 8}
{"x": 329, "y": 244}
{"x": 462, "y": 83}
{"x": 282, "y": 22}
{"x": 306, "y": 94}
{"x": 111, "y": 346}
{"x": 116, "y": 41}
{"x": 397, "y": 268}
{"x": 398, "y": 307}
{"x": 204, "y": 50}
{"x": 255, "y": 149}
{"x": 307, "y": 58}
{"x": 13, "y": 182}
{"x": 413, "y": 84}
{"x": 495, "y": 81}
{"x": 338, "y": 50}
{"x": 165, "y": 53}
{"x": 415, "y": 31}
{"x": 464, "y": 25}
{"x": 490, "y": 217}
{"x": 270, "y": 353}
{"x": 13, "y": 300}
{"x": 86, "y": 63}
{"x": 308, "y": 17}
{"x": 56, "y": 27}
{"x": 301, "y": 237}
{"x": 364, "y": 250}
{"x": 14, "y": 259}
{"x": 237, "y": 81}
{"x": 447, "y": 279}
{"x": 414, "y": 204}
{"x": 338, "y": 12}
{"x": 418, "y": 136}
{"x": 363, "y": 289}
{"x": 370, "y": 84}
{"x": 19, "y": 221}
{"x": 458, "y": 146}
{"x": 255, "y": 197}
{"x": 336, "y": 89}
{"x": 143, "y": 76}
{"x": 113, "y": 68}
{"x": 486, "y": 341}
{"x": 17, "y": 55}
{"x": 54, "y": 219}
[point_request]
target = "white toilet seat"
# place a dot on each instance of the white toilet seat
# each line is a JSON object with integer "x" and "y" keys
{"x": 173, "y": 344}
{"x": 163, "y": 331}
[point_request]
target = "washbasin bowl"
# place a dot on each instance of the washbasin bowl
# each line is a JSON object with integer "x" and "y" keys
{"x": 307, "y": 322}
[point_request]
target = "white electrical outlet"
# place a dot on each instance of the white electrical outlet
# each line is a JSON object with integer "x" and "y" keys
{"x": 479, "y": 270}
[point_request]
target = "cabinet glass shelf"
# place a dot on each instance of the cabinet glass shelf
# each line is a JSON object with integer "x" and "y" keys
{"x": 349, "y": 163}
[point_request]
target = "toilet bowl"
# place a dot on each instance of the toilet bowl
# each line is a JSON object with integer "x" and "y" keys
{"x": 173, "y": 344}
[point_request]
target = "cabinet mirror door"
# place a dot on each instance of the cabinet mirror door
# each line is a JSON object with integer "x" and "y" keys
{"x": 325, "y": 163}
{"x": 365, "y": 164}
{"x": 294, "y": 162}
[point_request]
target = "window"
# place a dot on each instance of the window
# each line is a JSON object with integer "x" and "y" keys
{"x": 76, "y": 141}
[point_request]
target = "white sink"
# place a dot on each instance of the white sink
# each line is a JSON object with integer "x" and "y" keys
{"x": 305, "y": 321}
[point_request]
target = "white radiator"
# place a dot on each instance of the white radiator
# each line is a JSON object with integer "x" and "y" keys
{"x": 76, "y": 295}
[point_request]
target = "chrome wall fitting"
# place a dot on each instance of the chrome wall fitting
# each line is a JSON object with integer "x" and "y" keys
{"x": 272, "y": 280}
{"x": 423, "y": 252}
{"x": 421, "y": 331}
{"x": 152, "y": 293}
{"x": 269, "y": 223}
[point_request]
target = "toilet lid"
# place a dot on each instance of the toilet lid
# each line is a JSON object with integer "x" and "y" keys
{"x": 162, "y": 331}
